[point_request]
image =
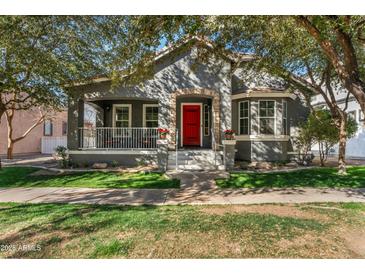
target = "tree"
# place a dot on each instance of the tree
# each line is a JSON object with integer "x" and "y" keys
{"x": 303, "y": 143}
{"x": 341, "y": 38}
{"x": 284, "y": 48}
{"x": 320, "y": 128}
{"x": 41, "y": 55}
{"x": 12, "y": 140}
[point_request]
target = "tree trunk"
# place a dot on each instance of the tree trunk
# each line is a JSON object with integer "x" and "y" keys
{"x": 9, "y": 117}
{"x": 321, "y": 154}
{"x": 11, "y": 140}
{"x": 10, "y": 149}
{"x": 342, "y": 145}
{"x": 2, "y": 111}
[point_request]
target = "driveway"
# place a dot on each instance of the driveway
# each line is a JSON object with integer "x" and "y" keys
{"x": 196, "y": 188}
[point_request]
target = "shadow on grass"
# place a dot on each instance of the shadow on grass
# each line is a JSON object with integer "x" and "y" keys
{"x": 321, "y": 177}
{"x": 97, "y": 226}
{"x": 22, "y": 177}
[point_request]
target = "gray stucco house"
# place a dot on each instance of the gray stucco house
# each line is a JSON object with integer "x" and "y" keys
{"x": 196, "y": 101}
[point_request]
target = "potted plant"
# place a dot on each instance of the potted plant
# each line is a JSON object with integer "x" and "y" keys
{"x": 229, "y": 134}
{"x": 163, "y": 132}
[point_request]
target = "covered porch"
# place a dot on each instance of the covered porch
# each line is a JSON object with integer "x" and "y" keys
{"x": 116, "y": 124}
{"x": 126, "y": 130}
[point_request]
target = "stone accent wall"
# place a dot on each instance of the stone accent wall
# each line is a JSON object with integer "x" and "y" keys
{"x": 198, "y": 92}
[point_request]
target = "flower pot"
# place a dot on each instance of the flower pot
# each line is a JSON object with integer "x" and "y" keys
{"x": 229, "y": 137}
{"x": 163, "y": 136}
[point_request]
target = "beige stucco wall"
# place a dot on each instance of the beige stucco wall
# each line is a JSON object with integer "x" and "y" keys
{"x": 22, "y": 121}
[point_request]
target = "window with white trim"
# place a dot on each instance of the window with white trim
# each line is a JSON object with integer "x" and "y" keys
{"x": 122, "y": 116}
{"x": 64, "y": 128}
{"x": 243, "y": 118}
{"x": 150, "y": 115}
{"x": 206, "y": 120}
{"x": 285, "y": 118}
{"x": 361, "y": 115}
{"x": 267, "y": 117}
{"x": 48, "y": 128}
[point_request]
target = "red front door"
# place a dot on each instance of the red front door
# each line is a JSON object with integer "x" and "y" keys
{"x": 191, "y": 125}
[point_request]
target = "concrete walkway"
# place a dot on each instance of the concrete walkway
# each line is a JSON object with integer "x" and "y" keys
{"x": 196, "y": 188}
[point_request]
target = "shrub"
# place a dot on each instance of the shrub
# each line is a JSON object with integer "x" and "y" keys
{"x": 114, "y": 163}
{"x": 320, "y": 128}
{"x": 61, "y": 152}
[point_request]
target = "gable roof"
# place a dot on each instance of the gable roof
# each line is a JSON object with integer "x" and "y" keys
{"x": 191, "y": 41}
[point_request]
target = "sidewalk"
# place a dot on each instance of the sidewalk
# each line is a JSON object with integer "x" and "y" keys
{"x": 196, "y": 188}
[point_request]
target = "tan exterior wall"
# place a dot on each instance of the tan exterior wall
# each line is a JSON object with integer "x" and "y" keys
{"x": 22, "y": 121}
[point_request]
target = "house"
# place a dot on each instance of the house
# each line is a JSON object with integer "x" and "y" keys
{"x": 196, "y": 101}
{"x": 355, "y": 146}
{"x": 42, "y": 139}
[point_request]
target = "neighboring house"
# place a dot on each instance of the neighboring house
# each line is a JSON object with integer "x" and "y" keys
{"x": 42, "y": 139}
{"x": 196, "y": 102}
{"x": 355, "y": 146}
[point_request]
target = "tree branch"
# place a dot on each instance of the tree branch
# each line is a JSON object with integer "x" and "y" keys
{"x": 38, "y": 122}
{"x": 346, "y": 101}
{"x": 344, "y": 40}
{"x": 326, "y": 45}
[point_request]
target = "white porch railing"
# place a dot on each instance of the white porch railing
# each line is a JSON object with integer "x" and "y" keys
{"x": 118, "y": 138}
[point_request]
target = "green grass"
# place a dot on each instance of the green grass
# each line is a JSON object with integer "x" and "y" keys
{"x": 106, "y": 231}
{"x": 22, "y": 177}
{"x": 316, "y": 177}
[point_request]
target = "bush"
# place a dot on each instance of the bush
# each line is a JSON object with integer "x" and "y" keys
{"x": 114, "y": 163}
{"x": 61, "y": 152}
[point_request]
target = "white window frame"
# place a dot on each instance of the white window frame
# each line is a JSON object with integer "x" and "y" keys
{"x": 285, "y": 125}
{"x": 204, "y": 106}
{"x": 248, "y": 117}
{"x": 144, "y": 112}
{"x": 50, "y": 123}
{"x": 259, "y": 117}
{"x": 129, "y": 113}
{"x": 360, "y": 115}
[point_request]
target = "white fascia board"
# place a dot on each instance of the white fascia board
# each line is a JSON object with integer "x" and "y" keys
{"x": 263, "y": 95}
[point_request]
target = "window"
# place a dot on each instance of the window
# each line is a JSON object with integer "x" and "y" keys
{"x": 352, "y": 115}
{"x": 150, "y": 115}
{"x": 47, "y": 128}
{"x": 243, "y": 117}
{"x": 267, "y": 117}
{"x": 64, "y": 128}
{"x": 285, "y": 118}
{"x": 122, "y": 115}
{"x": 361, "y": 115}
{"x": 206, "y": 120}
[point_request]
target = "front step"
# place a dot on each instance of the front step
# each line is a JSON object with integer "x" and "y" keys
{"x": 196, "y": 160}
{"x": 195, "y": 167}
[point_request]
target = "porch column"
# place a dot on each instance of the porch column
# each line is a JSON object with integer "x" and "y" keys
{"x": 166, "y": 118}
{"x": 226, "y": 110}
{"x": 75, "y": 117}
{"x": 229, "y": 153}
{"x": 162, "y": 154}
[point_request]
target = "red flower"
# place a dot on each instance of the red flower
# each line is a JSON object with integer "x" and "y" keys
{"x": 163, "y": 130}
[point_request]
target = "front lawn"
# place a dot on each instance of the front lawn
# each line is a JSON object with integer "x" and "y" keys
{"x": 316, "y": 177}
{"x": 28, "y": 177}
{"x": 330, "y": 230}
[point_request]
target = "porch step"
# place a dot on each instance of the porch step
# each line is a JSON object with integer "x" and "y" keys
{"x": 195, "y": 167}
{"x": 196, "y": 160}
